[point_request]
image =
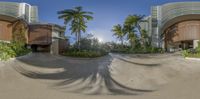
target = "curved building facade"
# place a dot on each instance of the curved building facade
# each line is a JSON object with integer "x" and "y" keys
{"x": 19, "y": 10}
{"x": 19, "y": 22}
{"x": 175, "y": 25}
{"x": 14, "y": 19}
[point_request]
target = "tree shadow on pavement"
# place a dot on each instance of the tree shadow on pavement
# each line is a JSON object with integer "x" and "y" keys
{"x": 141, "y": 64}
{"x": 85, "y": 76}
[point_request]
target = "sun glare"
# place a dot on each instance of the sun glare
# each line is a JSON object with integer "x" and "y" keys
{"x": 100, "y": 40}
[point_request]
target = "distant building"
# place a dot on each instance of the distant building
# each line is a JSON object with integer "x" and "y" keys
{"x": 19, "y": 21}
{"x": 174, "y": 26}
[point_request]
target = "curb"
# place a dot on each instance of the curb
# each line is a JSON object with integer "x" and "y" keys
{"x": 189, "y": 58}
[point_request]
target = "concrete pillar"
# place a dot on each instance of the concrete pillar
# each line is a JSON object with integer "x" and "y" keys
{"x": 55, "y": 47}
{"x": 195, "y": 43}
{"x": 184, "y": 46}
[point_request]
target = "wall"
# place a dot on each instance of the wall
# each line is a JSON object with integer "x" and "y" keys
{"x": 164, "y": 16}
{"x": 20, "y": 31}
{"x": 40, "y": 34}
{"x": 55, "y": 47}
{"x": 184, "y": 31}
{"x": 63, "y": 44}
{"x": 59, "y": 43}
{"x": 5, "y": 31}
{"x": 55, "y": 42}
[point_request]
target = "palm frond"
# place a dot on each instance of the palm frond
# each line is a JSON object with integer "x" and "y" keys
{"x": 76, "y": 18}
{"x": 66, "y": 11}
{"x": 88, "y": 17}
{"x": 78, "y": 8}
{"x": 86, "y": 12}
{"x": 67, "y": 20}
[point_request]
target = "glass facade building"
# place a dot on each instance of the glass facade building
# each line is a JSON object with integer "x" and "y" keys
{"x": 170, "y": 17}
{"x": 19, "y": 10}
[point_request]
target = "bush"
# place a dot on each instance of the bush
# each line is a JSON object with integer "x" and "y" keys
{"x": 192, "y": 52}
{"x": 89, "y": 48}
{"x": 187, "y": 53}
{"x": 85, "y": 54}
{"x": 13, "y": 49}
{"x": 121, "y": 50}
{"x": 137, "y": 50}
{"x": 198, "y": 48}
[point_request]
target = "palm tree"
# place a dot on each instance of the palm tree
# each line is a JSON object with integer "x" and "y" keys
{"x": 77, "y": 18}
{"x": 132, "y": 25}
{"x": 144, "y": 38}
{"x": 131, "y": 36}
{"x": 134, "y": 20}
{"x": 119, "y": 32}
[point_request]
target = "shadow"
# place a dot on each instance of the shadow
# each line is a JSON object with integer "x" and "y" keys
{"x": 141, "y": 64}
{"x": 85, "y": 76}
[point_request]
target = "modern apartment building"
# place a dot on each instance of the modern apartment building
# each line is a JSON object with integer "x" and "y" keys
{"x": 19, "y": 10}
{"x": 19, "y": 21}
{"x": 174, "y": 26}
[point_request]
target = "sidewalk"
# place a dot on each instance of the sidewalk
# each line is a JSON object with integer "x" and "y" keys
{"x": 2, "y": 63}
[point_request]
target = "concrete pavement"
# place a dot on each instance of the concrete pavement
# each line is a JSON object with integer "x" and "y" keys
{"x": 116, "y": 76}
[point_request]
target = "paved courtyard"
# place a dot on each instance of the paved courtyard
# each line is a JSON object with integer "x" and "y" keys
{"x": 115, "y": 76}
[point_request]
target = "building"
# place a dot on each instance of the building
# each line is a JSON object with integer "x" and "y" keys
{"x": 19, "y": 21}
{"x": 174, "y": 26}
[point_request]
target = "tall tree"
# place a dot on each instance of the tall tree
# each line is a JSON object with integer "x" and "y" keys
{"x": 132, "y": 25}
{"x": 77, "y": 19}
{"x": 135, "y": 20}
{"x": 131, "y": 35}
{"x": 119, "y": 32}
{"x": 144, "y": 38}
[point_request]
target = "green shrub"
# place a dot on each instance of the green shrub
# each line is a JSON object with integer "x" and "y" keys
{"x": 192, "y": 52}
{"x": 198, "y": 48}
{"x": 189, "y": 53}
{"x": 185, "y": 53}
{"x": 73, "y": 52}
{"x": 138, "y": 50}
{"x": 13, "y": 49}
{"x": 85, "y": 54}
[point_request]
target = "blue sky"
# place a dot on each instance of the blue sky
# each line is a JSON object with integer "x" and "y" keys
{"x": 106, "y": 12}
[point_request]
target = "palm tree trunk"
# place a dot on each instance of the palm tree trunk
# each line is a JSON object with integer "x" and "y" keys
{"x": 122, "y": 42}
{"x": 79, "y": 39}
{"x": 143, "y": 41}
{"x": 132, "y": 45}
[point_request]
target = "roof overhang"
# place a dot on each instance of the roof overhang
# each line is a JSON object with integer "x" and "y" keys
{"x": 8, "y": 18}
{"x": 56, "y": 27}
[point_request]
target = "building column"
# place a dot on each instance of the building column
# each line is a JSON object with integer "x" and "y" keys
{"x": 195, "y": 43}
{"x": 54, "y": 49}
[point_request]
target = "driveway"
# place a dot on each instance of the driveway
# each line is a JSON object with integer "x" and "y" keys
{"x": 115, "y": 76}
